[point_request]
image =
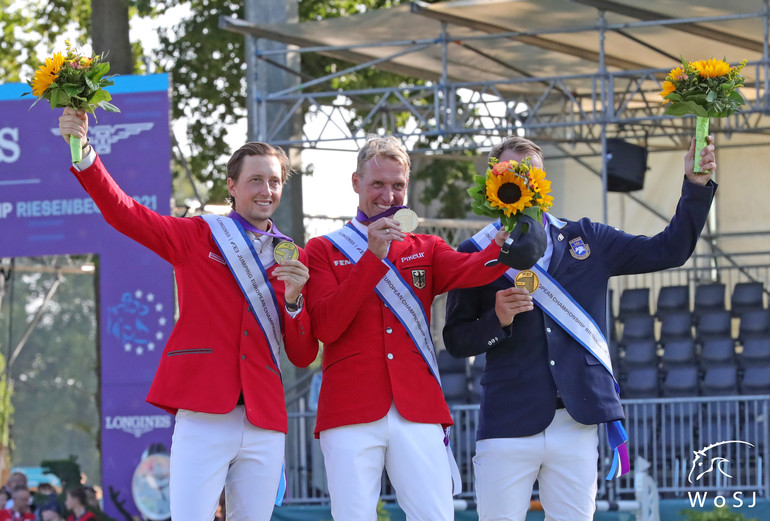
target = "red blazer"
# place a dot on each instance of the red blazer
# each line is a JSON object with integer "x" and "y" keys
{"x": 10, "y": 515}
{"x": 369, "y": 360}
{"x": 216, "y": 338}
{"x": 87, "y": 516}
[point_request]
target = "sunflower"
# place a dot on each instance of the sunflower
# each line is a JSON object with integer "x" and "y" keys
{"x": 542, "y": 187}
{"x": 46, "y": 74}
{"x": 668, "y": 88}
{"x": 677, "y": 73}
{"x": 711, "y": 68}
{"x": 508, "y": 192}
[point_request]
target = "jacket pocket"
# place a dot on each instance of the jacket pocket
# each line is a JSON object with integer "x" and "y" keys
{"x": 591, "y": 359}
{"x": 333, "y": 362}
{"x": 201, "y": 351}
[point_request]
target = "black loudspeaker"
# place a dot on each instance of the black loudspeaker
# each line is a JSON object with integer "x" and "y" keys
{"x": 626, "y": 165}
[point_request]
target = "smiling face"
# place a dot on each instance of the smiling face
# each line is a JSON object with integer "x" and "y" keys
{"x": 256, "y": 191}
{"x": 380, "y": 185}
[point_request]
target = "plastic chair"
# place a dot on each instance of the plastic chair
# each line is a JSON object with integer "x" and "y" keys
{"x": 756, "y": 351}
{"x": 672, "y": 299}
{"x": 638, "y": 327}
{"x": 754, "y": 323}
{"x": 720, "y": 381}
{"x": 449, "y": 364}
{"x": 675, "y": 325}
{"x": 455, "y": 387}
{"x": 746, "y": 296}
{"x": 709, "y": 297}
{"x": 640, "y": 382}
{"x": 717, "y": 351}
{"x": 713, "y": 324}
{"x": 680, "y": 352}
{"x": 641, "y": 353}
{"x": 634, "y": 302}
{"x": 680, "y": 381}
{"x": 756, "y": 380}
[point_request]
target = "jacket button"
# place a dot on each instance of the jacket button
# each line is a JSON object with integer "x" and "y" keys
{"x": 553, "y": 363}
{"x": 388, "y": 330}
{"x": 243, "y": 357}
{"x": 390, "y": 356}
{"x": 245, "y": 333}
{"x": 548, "y": 330}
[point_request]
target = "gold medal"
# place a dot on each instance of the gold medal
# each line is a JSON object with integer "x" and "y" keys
{"x": 407, "y": 218}
{"x": 528, "y": 280}
{"x": 285, "y": 250}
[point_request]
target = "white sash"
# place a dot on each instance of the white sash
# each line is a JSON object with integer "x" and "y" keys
{"x": 248, "y": 271}
{"x": 558, "y": 304}
{"x": 400, "y": 298}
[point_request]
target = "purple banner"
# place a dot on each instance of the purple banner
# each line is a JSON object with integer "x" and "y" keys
{"x": 45, "y": 211}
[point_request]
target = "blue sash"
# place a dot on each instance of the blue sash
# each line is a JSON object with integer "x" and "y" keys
{"x": 251, "y": 276}
{"x": 565, "y": 311}
{"x": 402, "y": 301}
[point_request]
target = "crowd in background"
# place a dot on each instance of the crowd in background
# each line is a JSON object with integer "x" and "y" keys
{"x": 20, "y": 503}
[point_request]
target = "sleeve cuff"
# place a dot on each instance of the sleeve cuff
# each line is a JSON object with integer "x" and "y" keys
{"x": 86, "y": 161}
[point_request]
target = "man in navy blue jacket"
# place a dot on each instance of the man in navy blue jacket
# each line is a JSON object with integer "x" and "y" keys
{"x": 543, "y": 393}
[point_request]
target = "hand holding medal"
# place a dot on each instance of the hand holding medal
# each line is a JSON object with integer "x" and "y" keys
{"x": 291, "y": 271}
{"x": 285, "y": 250}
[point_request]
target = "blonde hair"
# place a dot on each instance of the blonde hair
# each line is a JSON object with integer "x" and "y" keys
{"x": 517, "y": 144}
{"x": 388, "y": 147}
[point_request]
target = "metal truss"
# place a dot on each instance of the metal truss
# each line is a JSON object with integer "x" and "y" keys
{"x": 446, "y": 115}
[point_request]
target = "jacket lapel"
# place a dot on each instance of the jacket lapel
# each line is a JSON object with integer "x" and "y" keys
{"x": 559, "y": 246}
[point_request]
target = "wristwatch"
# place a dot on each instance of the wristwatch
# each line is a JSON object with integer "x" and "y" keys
{"x": 292, "y": 308}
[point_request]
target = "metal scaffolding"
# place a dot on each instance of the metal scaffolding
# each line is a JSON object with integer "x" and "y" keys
{"x": 461, "y": 115}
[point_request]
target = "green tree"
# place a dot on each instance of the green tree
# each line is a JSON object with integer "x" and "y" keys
{"x": 55, "y": 381}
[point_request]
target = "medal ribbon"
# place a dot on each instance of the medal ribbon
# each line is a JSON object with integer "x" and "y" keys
{"x": 565, "y": 311}
{"x": 365, "y": 219}
{"x": 246, "y": 225}
{"x": 399, "y": 297}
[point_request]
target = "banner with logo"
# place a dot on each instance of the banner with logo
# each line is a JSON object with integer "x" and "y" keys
{"x": 45, "y": 211}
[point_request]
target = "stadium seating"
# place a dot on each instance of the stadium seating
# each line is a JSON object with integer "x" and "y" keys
{"x": 716, "y": 352}
{"x": 678, "y": 353}
{"x": 672, "y": 299}
{"x": 709, "y": 297}
{"x": 720, "y": 381}
{"x": 746, "y": 296}
{"x": 754, "y": 323}
{"x": 634, "y": 302}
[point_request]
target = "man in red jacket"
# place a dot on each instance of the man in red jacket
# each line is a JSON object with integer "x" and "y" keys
{"x": 231, "y": 435}
{"x": 20, "y": 511}
{"x": 370, "y": 292}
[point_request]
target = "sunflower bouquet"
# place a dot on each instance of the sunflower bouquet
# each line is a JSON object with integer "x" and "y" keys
{"x": 511, "y": 189}
{"x": 705, "y": 89}
{"x": 73, "y": 80}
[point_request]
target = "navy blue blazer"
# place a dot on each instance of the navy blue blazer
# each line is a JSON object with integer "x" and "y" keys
{"x": 533, "y": 358}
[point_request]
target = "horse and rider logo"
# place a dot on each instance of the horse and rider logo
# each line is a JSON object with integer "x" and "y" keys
{"x": 707, "y": 455}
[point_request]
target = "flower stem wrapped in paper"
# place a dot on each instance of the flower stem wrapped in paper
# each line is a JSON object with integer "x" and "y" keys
{"x": 517, "y": 194}
{"x": 76, "y": 81}
{"x": 705, "y": 89}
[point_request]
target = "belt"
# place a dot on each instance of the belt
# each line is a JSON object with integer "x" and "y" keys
{"x": 559, "y": 403}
